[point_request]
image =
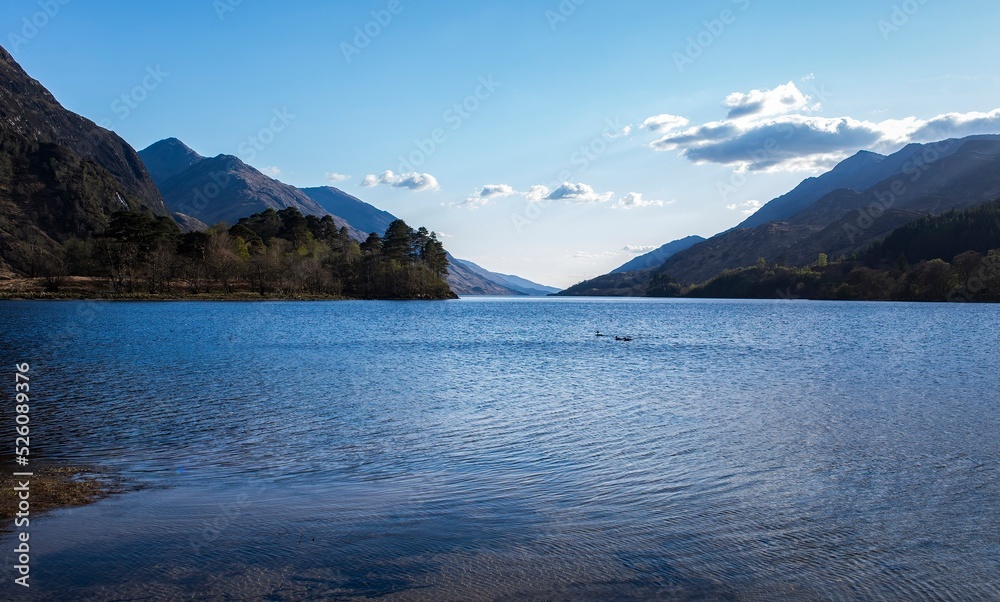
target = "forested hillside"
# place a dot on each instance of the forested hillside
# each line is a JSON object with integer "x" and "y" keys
{"x": 273, "y": 253}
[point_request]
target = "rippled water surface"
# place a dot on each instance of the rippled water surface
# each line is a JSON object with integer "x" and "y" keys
{"x": 498, "y": 450}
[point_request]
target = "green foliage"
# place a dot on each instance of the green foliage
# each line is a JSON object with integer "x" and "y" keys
{"x": 939, "y": 237}
{"x": 761, "y": 281}
{"x": 270, "y": 253}
{"x": 950, "y": 257}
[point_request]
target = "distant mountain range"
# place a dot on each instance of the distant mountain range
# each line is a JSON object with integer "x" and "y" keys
{"x": 200, "y": 190}
{"x": 842, "y": 212}
{"x": 464, "y": 277}
{"x": 222, "y": 188}
{"x": 517, "y": 284}
{"x": 60, "y": 175}
{"x": 657, "y": 257}
{"x": 358, "y": 213}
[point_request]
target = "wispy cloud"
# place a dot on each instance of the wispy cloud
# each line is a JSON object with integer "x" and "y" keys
{"x": 573, "y": 193}
{"x": 664, "y": 123}
{"x": 336, "y": 177}
{"x": 578, "y": 193}
{"x": 777, "y": 130}
{"x": 638, "y": 250}
{"x": 746, "y": 208}
{"x": 589, "y": 255}
{"x": 634, "y": 200}
{"x": 485, "y": 195}
{"x": 412, "y": 181}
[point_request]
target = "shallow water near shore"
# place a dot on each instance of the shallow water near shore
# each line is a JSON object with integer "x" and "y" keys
{"x": 496, "y": 449}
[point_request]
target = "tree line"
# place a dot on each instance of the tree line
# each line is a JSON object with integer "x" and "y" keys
{"x": 272, "y": 253}
{"x": 954, "y": 256}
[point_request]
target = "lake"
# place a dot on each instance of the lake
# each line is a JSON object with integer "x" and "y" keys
{"x": 496, "y": 449}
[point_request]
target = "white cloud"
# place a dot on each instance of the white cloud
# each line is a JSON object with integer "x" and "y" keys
{"x": 588, "y": 255}
{"x": 537, "y": 193}
{"x": 747, "y": 208}
{"x": 664, "y": 123}
{"x": 271, "y": 171}
{"x": 634, "y": 200}
{"x": 578, "y": 193}
{"x": 443, "y": 235}
{"x": 957, "y": 125}
{"x": 412, "y": 181}
{"x": 766, "y": 103}
{"x": 336, "y": 177}
{"x": 775, "y": 130}
{"x": 638, "y": 250}
{"x": 487, "y": 194}
{"x": 623, "y": 132}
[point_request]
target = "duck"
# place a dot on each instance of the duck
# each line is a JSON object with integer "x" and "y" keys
{"x": 599, "y": 334}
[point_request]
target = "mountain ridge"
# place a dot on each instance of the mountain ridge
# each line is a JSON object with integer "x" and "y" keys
{"x": 61, "y": 175}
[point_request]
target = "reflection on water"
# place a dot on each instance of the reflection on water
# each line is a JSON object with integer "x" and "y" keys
{"x": 496, "y": 449}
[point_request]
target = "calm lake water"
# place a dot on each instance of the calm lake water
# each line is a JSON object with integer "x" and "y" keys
{"x": 497, "y": 450}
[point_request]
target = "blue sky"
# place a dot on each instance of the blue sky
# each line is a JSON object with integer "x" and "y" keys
{"x": 547, "y": 139}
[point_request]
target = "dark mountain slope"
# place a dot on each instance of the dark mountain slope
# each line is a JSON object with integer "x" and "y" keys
{"x": 167, "y": 158}
{"x": 846, "y": 221}
{"x": 656, "y": 258}
{"x": 360, "y": 214}
{"x": 60, "y": 174}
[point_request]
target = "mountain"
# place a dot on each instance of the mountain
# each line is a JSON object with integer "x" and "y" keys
{"x": 657, "y": 257}
{"x": 358, "y": 213}
{"x": 61, "y": 175}
{"x": 953, "y": 256}
{"x": 189, "y": 224}
{"x": 952, "y": 174}
{"x": 222, "y": 188}
{"x": 465, "y": 281}
{"x": 517, "y": 284}
{"x": 859, "y": 172}
{"x": 860, "y": 201}
{"x": 167, "y": 158}
{"x": 201, "y": 190}
{"x": 466, "y": 278}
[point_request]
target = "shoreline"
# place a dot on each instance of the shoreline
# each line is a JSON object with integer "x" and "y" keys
{"x": 56, "y": 487}
{"x": 86, "y": 288}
